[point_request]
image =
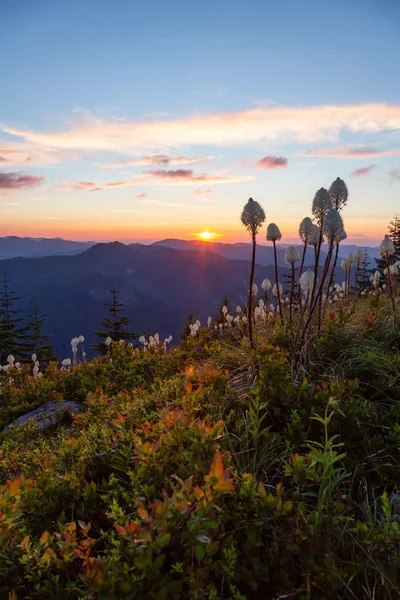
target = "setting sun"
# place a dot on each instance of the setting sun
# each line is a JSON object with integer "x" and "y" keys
{"x": 206, "y": 236}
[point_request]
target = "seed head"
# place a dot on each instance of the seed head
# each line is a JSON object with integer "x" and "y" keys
{"x": 306, "y": 229}
{"x": 266, "y": 284}
{"x": 333, "y": 225}
{"x": 321, "y": 205}
{"x": 307, "y": 280}
{"x": 292, "y": 255}
{"x": 253, "y": 216}
{"x": 273, "y": 233}
{"x": 386, "y": 248}
{"x": 338, "y": 193}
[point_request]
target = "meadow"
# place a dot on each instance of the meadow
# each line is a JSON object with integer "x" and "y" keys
{"x": 256, "y": 458}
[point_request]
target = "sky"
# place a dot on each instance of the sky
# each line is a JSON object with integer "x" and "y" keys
{"x": 140, "y": 121}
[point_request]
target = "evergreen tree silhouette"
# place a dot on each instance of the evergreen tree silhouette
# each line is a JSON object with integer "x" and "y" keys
{"x": 114, "y": 326}
{"x": 38, "y": 342}
{"x": 394, "y": 233}
{"x": 12, "y": 332}
{"x": 365, "y": 272}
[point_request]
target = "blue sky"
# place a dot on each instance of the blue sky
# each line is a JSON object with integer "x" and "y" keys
{"x": 213, "y": 88}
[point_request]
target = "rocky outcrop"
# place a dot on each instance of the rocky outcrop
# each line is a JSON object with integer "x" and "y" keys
{"x": 46, "y": 415}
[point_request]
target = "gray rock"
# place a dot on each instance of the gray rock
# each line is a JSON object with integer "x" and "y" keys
{"x": 47, "y": 414}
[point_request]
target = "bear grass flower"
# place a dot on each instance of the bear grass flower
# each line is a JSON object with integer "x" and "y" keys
{"x": 386, "y": 248}
{"x": 321, "y": 205}
{"x": 306, "y": 229}
{"x": 292, "y": 255}
{"x": 359, "y": 256}
{"x": 307, "y": 281}
{"x": 277, "y": 289}
{"x": 266, "y": 284}
{"x": 273, "y": 233}
{"x": 315, "y": 235}
{"x": 345, "y": 264}
{"x": 338, "y": 193}
{"x": 333, "y": 226}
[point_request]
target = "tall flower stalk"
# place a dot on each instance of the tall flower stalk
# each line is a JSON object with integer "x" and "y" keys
{"x": 320, "y": 207}
{"x": 274, "y": 235}
{"x": 386, "y": 250}
{"x": 333, "y": 226}
{"x": 339, "y": 195}
{"x": 291, "y": 257}
{"x": 252, "y": 217}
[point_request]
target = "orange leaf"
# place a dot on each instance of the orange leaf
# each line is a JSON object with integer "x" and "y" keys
{"x": 44, "y": 538}
{"x": 14, "y": 487}
{"x": 217, "y": 466}
{"x": 121, "y": 530}
{"x": 218, "y": 478}
{"x": 142, "y": 512}
{"x": 189, "y": 387}
{"x": 121, "y": 418}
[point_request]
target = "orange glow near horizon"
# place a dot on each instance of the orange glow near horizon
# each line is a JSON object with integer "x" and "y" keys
{"x": 98, "y": 229}
{"x": 206, "y": 236}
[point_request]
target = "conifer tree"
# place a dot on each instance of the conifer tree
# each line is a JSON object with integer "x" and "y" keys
{"x": 186, "y": 330}
{"x": 115, "y": 325}
{"x": 394, "y": 234}
{"x": 38, "y": 342}
{"x": 365, "y": 272}
{"x": 12, "y": 332}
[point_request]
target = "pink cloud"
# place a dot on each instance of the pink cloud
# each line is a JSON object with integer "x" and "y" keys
{"x": 200, "y": 191}
{"x": 141, "y": 195}
{"x": 350, "y": 151}
{"x": 158, "y": 159}
{"x": 395, "y": 174}
{"x": 33, "y": 154}
{"x": 272, "y": 162}
{"x": 363, "y": 171}
{"x": 78, "y": 186}
{"x": 17, "y": 181}
{"x": 182, "y": 176}
{"x": 245, "y": 162}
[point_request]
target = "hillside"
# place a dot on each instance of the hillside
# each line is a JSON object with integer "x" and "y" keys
{"x": 209, "y": 472}
{"x": 159, "y": 287}
{"x": 13, "y": 246}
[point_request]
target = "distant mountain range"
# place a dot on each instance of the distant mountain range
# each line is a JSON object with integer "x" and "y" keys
{"x": 265, "y": 254}
{"x": 13, "y": 247}
{"x": 159, "y": 286}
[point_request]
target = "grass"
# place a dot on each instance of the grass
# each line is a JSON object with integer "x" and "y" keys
{"x": 209, "y": 472}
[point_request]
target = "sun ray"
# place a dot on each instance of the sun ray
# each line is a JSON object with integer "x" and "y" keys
{"x": 206, "y": 236}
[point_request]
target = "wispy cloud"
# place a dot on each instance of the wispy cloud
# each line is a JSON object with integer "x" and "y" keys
{"x": 32, "y": 153}
{"x": 179, "y": 205}
{"x": 17, "y": 181}
{"x": 272, "y": 162}
{"x": 202, "y": 192}
{"x": 304, "y": 124}
{"x": 394, "y": 174}
{"x": 141, "y": 195}
{"x": 350, "y": 151}
{"x": 188, "y": 177}
{"x": 158, "y": 177}
{"x": 78, "y": 186}
{"x": 363, "y": 171}
{"x": 158, "y": 159}
{"x": 126, "y": 210}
